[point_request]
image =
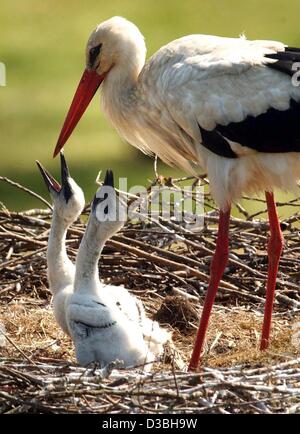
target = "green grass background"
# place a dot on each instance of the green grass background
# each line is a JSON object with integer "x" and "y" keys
{"x": 42, "y": 45}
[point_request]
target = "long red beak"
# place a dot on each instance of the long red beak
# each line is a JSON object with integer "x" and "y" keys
{"x": 88, "y": 85}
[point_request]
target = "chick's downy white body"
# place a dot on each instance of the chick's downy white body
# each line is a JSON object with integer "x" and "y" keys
{"x": 102, "y": 332}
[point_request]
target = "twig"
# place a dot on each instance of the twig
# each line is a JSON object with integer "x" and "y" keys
{"x": 26, "y": 189}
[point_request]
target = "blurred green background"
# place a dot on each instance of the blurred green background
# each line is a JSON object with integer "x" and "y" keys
{"x": 42, "y": 45}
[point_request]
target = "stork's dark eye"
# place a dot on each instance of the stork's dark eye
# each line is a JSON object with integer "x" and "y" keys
{"x": 93, "y": 54}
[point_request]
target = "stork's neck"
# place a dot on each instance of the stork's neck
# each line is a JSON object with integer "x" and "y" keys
{"x": 87, "y": 274}
{"x": 119, "y": 95}
{"x": 60, "y": 268}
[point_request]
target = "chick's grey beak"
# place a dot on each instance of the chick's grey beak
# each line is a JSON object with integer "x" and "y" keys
{"x": 50, "y": 182}
{"x": 109, "y": 182}
{"x": 65, "y": 177}
{"x": 64, "y": 170}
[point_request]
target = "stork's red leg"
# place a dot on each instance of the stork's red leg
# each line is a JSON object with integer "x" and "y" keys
{"x": 217, "y": 268}
{"x": 275, "y": 246}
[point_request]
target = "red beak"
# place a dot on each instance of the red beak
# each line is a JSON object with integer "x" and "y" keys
{"x": 88, "y": 85}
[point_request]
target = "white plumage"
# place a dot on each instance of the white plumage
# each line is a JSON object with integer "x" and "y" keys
{"x": 193, "y": 83}
{"x": 195, "y": 80}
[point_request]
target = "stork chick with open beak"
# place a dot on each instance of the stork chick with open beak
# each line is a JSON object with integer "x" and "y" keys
{"x": 68, "y": 203}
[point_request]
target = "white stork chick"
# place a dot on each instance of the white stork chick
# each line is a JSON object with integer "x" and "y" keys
{"x": 68, "y": 203}
{"x": 227, "y": 105}
{"x": 106, "y": 322}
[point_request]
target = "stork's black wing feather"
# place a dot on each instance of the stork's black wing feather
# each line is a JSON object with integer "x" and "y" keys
{"x": 285, "y": 60}
{"x": 216, "y": 143}
{"x": 271, "y": 132}
{"x": 275, "y": 131}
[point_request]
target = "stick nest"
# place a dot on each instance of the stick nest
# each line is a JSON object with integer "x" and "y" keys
{"x": 166, "y": 265}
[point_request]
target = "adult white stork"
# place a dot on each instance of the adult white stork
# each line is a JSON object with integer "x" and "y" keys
{"x": 227, "y": 105}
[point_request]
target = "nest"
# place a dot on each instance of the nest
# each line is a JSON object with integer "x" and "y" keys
{"x": 179, "y": 313}
{"x": 167, "y": 266}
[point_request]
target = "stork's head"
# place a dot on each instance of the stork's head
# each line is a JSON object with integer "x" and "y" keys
{"x": 115, "y": 45}
{"x": 108, "y": 210}
{"x": 68, "y": 198}
{"x": 115, "y": 42}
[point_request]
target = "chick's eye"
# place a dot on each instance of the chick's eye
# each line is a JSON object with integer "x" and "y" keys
{"x": 93, "y": 54}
